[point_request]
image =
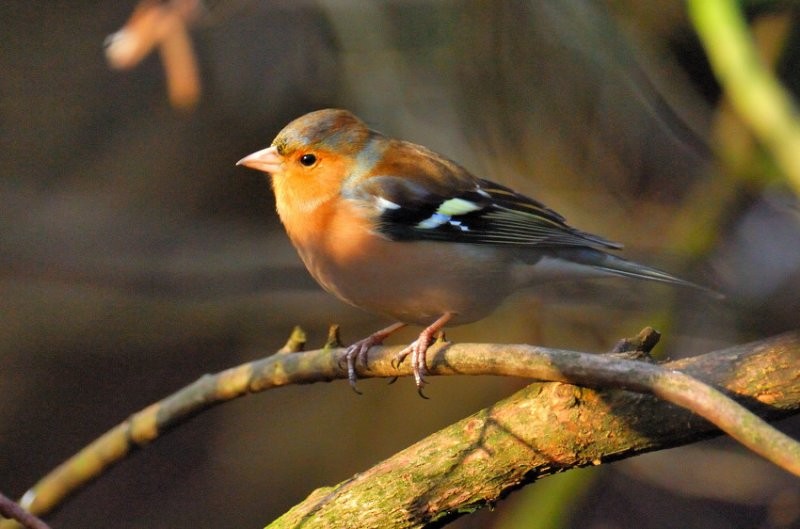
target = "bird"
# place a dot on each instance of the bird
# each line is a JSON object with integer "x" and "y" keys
{"x": 396, "y": 229}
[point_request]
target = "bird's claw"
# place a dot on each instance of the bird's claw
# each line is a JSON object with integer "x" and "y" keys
{"x": 358, "y": 352}
{"x": 353, "y": 354}
{"x": 417, "y": 351}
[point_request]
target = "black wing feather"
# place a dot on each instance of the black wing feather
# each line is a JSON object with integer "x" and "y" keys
{"x": 499, "y": 216}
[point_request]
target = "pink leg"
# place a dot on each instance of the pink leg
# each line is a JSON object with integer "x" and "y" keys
{"x": 358, "y": 351}
{"x": 419, "y": 347}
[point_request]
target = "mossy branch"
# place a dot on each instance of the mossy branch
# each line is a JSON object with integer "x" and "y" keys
{"x": 543, "y": 429}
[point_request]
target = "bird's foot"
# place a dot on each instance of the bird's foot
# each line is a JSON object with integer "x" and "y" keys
{"x": 357, "y": 353}
{"x": 417, "y": 351}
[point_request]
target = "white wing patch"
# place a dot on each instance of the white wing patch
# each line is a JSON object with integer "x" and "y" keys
{"x": 434, "y": 221}
{"x": 457, "y": 206}
{"x": 482, "y": 192}
{"x": 445, "y": 213}
{"x": 384, "y": 204}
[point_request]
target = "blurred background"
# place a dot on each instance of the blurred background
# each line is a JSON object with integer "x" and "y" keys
{"x": 134, "y": 255}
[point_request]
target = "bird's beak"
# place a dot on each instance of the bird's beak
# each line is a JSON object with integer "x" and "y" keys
{"x": 267, "y": 160}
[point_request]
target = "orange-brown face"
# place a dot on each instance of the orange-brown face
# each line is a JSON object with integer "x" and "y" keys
{"x": 309, "y": 176}
{"x": 310, "y": 161}
{"x": 310, "y": 157}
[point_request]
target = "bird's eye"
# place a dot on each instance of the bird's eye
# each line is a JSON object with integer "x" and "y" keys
{"x": 308, "y": 160}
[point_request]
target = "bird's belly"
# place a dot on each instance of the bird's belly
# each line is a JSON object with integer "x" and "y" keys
{"x": 415, "y": 282}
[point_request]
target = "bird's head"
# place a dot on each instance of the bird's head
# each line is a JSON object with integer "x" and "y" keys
{"x": 304, "y": 145}
{"x": 312, "y": 155}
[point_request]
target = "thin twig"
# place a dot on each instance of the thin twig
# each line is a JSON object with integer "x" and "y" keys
{"x": 12, "y": 510}
{"x": 541, "y": 430}
{"x": 599, "y": 371}
{"x": 163, "y": 26}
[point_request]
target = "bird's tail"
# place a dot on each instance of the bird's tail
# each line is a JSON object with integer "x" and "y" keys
{"x": 618, "y": 266}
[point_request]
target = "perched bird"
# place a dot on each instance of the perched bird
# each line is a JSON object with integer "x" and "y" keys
{"x": 399, "y": 230}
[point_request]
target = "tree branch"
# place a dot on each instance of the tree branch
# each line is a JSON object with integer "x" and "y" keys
{"x": 763, "y": 375}
{"x": 541, "y": 430}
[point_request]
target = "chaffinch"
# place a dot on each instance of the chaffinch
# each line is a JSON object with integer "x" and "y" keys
{"x": 399, "y": 230}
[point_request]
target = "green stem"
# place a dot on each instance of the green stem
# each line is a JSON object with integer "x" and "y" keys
{"x": 754, "y": 92}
